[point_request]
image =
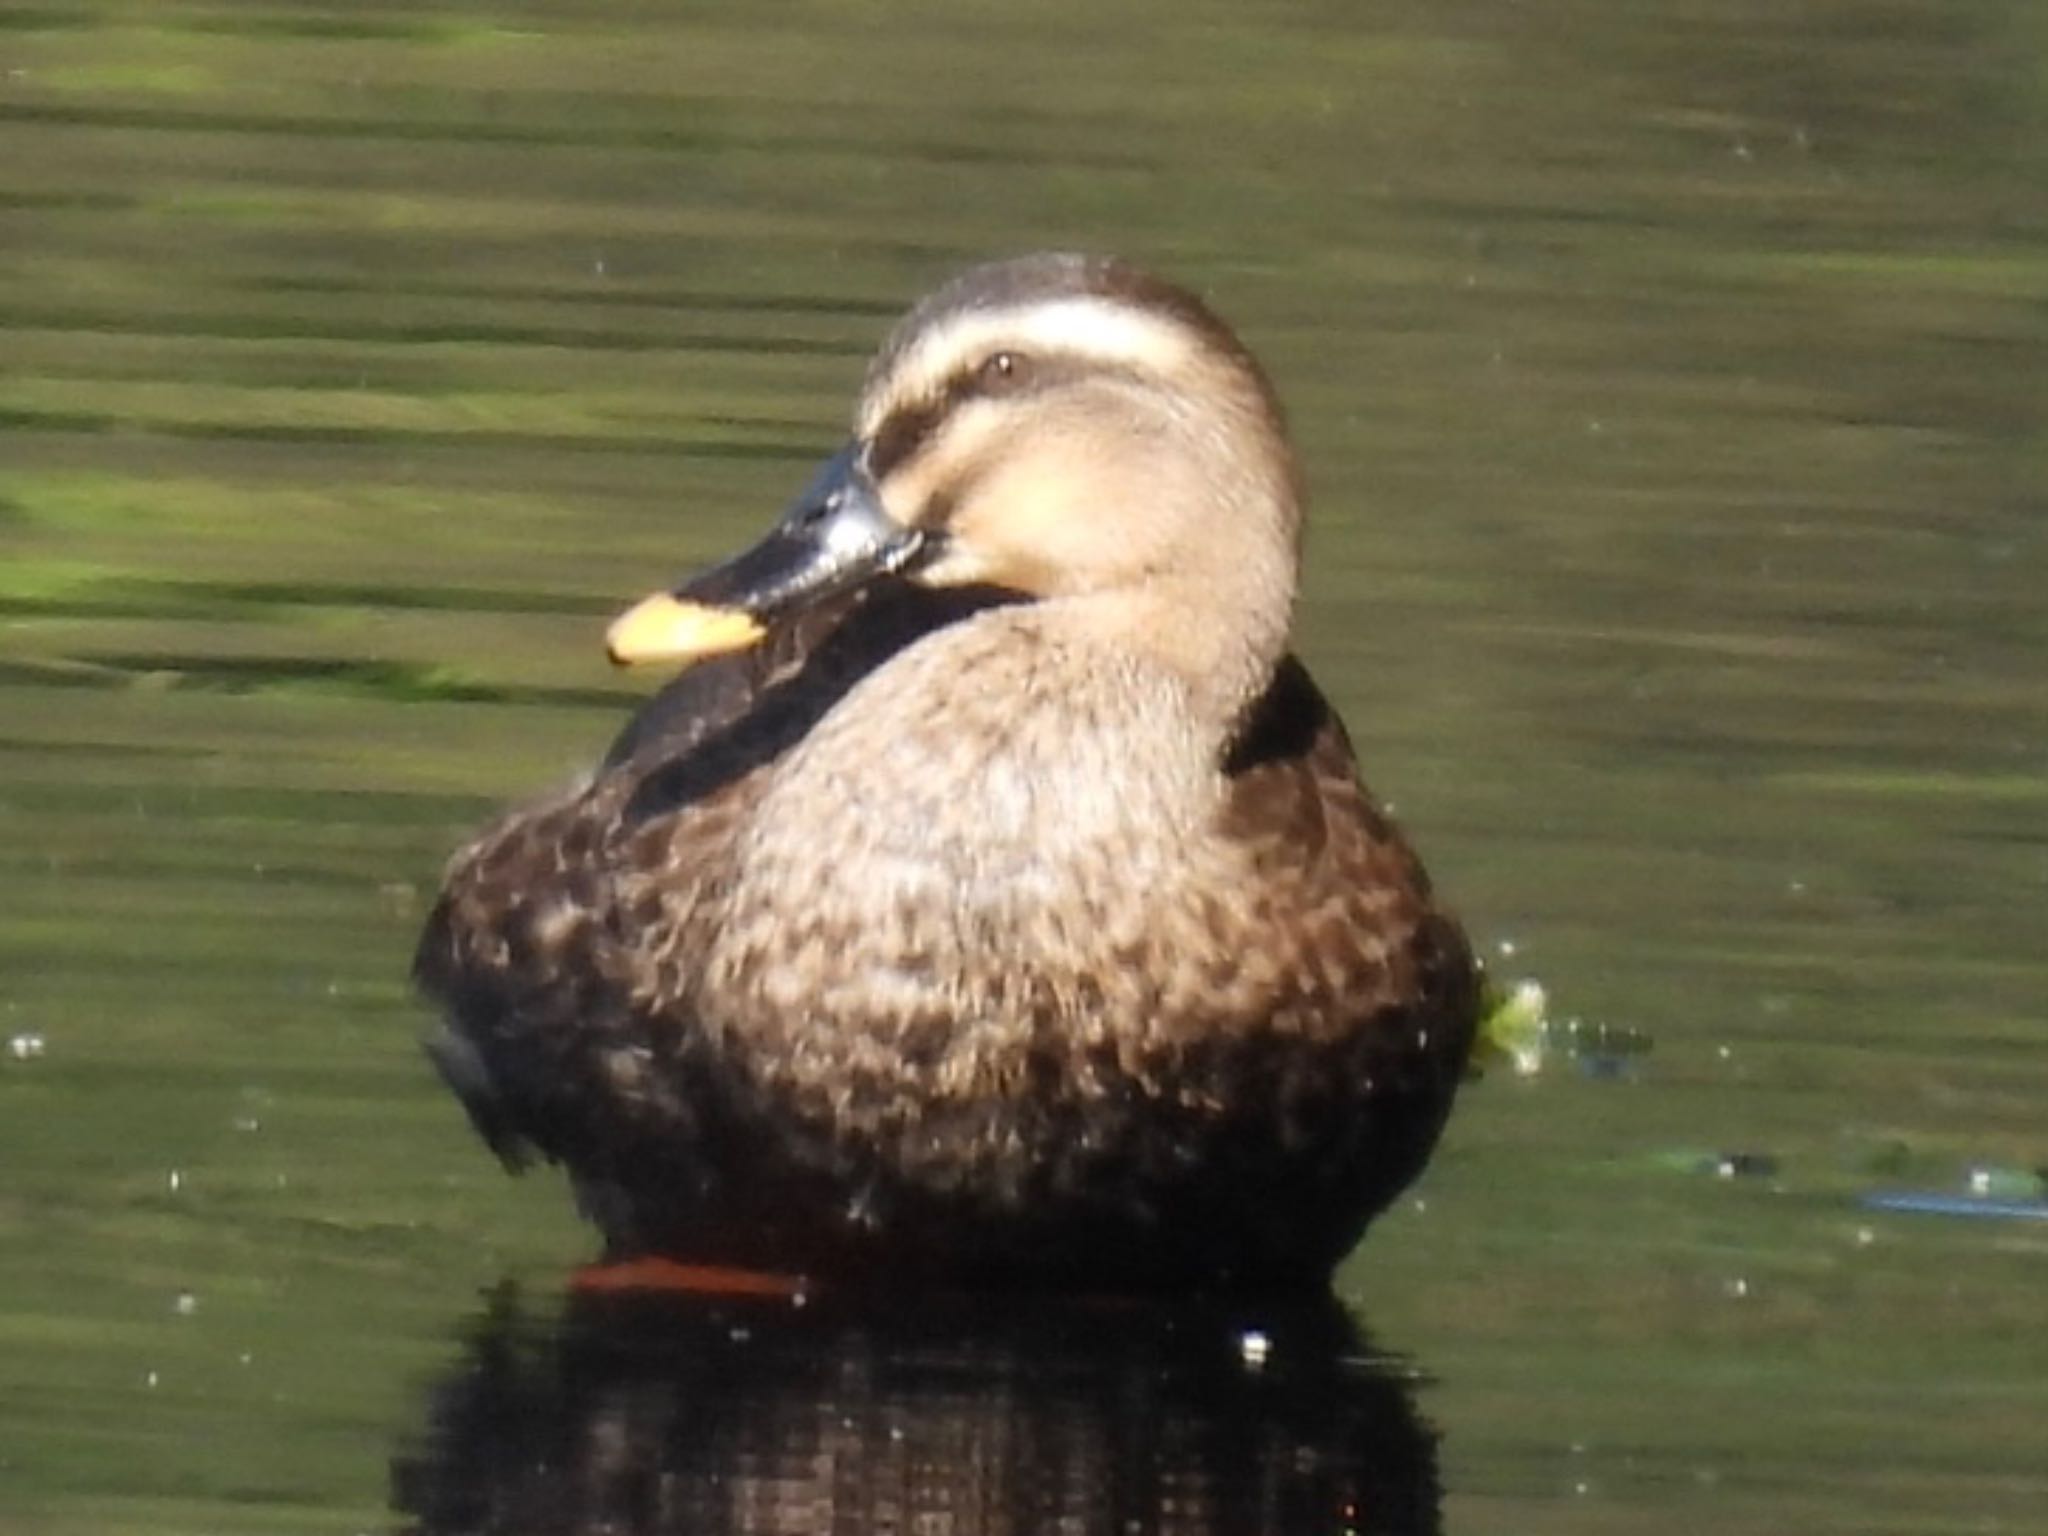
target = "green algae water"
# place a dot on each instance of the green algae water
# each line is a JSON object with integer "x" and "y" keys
{"x": 1668, "y": 381}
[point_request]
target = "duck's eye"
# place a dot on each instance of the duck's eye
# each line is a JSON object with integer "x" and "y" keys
{"x": 1000, "y": 371}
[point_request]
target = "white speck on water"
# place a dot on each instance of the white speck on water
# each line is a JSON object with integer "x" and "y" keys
{"x": 244, "y": 1358}
{"x": 1737, "y": 1288}
{"x": 1254, "y": 1348}
{"x": 175, "y": 1180}
{"x": 1582, "y": 1488}
{"x": 1421, "y": 1206}
{"x": 1865, "y": 1236}
{"x": 1980, "y": 1181}
{"x": 186, "y": 1304}
{"x": 1506, "y": 947}
{"x": 1726, "y": 1053}
{"x": 149, "y": 1380}
{"x": 27, "y": 1046}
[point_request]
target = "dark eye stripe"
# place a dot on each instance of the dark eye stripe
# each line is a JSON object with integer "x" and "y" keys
{"x": 902, "y": 433}
{"x": 908, "y": 428}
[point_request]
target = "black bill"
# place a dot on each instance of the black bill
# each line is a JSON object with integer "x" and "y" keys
{"x": 836, "y": 537}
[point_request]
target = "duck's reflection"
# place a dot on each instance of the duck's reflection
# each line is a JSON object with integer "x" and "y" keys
{"x": 1016, "y": 1419}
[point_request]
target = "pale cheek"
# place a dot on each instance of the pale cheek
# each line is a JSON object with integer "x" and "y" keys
{"x": 909, "y": 491}
{"x": 1059, "y": 521}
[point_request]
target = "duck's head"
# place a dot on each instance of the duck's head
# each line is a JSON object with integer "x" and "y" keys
{"x": 1064, "y": 427}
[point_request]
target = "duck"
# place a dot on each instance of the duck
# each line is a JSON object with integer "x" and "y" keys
{"x": 991, "y": 900}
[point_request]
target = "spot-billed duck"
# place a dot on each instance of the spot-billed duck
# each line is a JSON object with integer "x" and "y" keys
{"x": 992, "y": 900}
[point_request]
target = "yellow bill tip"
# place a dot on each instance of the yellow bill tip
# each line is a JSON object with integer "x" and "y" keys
{"x": 666, "y": 628}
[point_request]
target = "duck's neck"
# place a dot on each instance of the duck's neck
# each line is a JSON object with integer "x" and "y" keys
{"x": 1217, "y": 617}
{"x": 1212, "y": 638}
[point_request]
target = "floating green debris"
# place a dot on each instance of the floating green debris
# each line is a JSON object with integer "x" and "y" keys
{"x": 1515, "y": 1027}
{"x": 1696, "y": 1161}
{"x": 1990, "y": 1182}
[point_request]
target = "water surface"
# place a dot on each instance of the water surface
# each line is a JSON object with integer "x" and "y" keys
{"x": 1669, "y": 384}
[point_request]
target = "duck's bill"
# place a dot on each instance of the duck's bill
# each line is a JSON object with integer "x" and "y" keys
{"x": 665, "y": 627}
{"x": 836, "y": 538}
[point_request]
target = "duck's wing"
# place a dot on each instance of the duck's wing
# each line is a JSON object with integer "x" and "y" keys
{"x": 522, "y": 954}
{"x": 536, "y": 952}
{"x": 713, "y": 695}
{"x": 527, "y": 952}
{"x": 1356, "y": 894}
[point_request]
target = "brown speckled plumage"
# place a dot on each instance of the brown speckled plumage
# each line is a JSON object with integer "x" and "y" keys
{"x": 1031, "y": 927}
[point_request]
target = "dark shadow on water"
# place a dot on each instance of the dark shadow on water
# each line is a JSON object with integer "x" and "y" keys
{"x": 1017, "y": 1418}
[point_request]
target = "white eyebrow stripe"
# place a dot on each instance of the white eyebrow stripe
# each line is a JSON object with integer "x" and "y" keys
{"x": 1099, "y": 329}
